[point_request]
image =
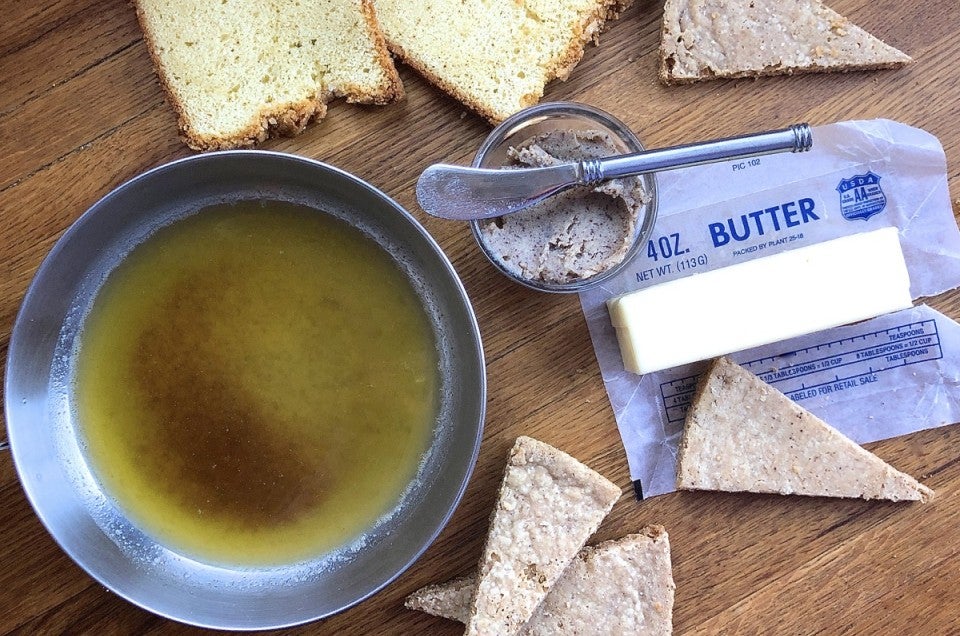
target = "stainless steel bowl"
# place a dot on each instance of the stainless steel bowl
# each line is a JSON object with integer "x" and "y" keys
{"x": 83, "y": 518}
{"x": 564, "y": 116}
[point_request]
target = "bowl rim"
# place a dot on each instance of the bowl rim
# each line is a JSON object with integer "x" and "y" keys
{"x": 13, "y": 418}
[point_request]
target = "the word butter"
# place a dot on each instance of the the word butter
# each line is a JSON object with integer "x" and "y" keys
{"x": 757, "y": 223}
{"x": 761, "y": 301}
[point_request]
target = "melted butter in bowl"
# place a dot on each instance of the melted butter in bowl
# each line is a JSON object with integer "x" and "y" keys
{"x": 245, "y": 390}
{"x": 256, "y": 384}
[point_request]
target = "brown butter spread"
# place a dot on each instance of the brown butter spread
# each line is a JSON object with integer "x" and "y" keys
{"x": 573, "y": 235}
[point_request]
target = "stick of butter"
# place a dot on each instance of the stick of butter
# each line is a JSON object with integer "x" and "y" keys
{"x": 761, "y": 301}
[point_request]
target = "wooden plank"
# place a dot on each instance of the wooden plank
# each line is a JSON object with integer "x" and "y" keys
{"x": 31, "y": 585}
{"x": 79, "y": 42}
{"x": 38, "y": 210}
{"x": 25, "y": 22}
{"x": 80, "y": 615}
{"x": 897, "y": 578}
{"x": 76, "y": 113}
{"x": 92, "y": 115}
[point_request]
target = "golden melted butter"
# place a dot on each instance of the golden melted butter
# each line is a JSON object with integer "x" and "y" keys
{"x": 256, "y": 384}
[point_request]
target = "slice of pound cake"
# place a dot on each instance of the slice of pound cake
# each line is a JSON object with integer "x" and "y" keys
{"x": 238, "y": 71}
{"x": 495, "y": 57}
{"x": 749, "y": 38}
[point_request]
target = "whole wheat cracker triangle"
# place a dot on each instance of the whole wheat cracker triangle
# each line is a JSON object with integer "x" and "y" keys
{"x": 749, "y": 38}
{"x": 548, "y": 506}
{"x": 450, "y": 599}
{"x": 741, "y": 434}
{"x": 623, "y": 586}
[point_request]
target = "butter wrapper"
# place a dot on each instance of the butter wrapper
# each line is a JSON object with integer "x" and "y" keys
{"x": 884, "y": 377}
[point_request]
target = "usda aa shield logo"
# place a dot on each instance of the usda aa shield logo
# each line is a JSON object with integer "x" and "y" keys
{"x": 861, "y": 196}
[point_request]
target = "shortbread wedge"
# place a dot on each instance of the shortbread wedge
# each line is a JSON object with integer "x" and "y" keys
{"x": 548, "y": 506}
{"x": 495, "y": 57}
{"x": 741, "y": 434}
{"x": 238, "y": 71}
{"x": 748, "y": 38}
{"x": 450, "y": 600}
{"x": 618, "y": 587}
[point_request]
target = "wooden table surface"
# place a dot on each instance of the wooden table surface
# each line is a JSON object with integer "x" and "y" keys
{"x": 81, "y": 112}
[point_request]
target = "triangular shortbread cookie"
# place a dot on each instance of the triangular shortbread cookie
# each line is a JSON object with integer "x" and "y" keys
{"x": 749, "y": 38}
{"x": 450, "y": 600}
{"x": 618, "y": 587}
{"x": 549, "y": 505}
{"x": 741, "y": 434}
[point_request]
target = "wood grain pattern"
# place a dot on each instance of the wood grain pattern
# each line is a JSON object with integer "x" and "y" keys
{"x": 81, "y": 112}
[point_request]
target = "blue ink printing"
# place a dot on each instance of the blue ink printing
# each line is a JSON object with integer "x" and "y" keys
{"x": 861, "y": 196}
{"x": 763, "y": 221}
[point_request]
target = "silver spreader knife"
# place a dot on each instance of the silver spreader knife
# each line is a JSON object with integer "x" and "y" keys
{"x": 464, "y": 193}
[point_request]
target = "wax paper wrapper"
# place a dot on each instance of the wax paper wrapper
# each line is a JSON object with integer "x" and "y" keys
{"x": 880, "y": 378}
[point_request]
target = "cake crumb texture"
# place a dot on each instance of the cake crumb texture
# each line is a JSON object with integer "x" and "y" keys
{"x": 495, "y": 57}
{"x": 238, "y": 71}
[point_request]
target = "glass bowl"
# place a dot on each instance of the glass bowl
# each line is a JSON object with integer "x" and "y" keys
{"x": 564, "y": 116}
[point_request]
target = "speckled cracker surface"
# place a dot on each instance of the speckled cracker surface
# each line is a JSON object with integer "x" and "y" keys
{"x": 549, "y": 505}
{"x": 741, "y": 434}
{"x": 618, "y": 587}
{"x": 748, "y": 38}
{"x": 448, "y": 600}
